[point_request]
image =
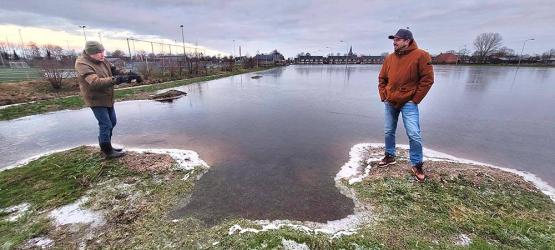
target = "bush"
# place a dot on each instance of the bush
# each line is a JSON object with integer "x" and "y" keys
{"x": 55, "y": 72}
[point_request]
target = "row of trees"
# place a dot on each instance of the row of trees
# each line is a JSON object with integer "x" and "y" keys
{"x": 490, "y": 45}
{"x": 11, "y": 52}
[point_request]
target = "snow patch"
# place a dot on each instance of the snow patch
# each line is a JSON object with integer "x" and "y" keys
{"x": 293, "y": 245}
{"x": 463, "y": 240}
{"x": 16, "y": 212}
{"x": 39, "y": 242}
{"x": 354, "y": 172}
{"x": 186, "y": 159}
{"x": 74, "y": 213}
{"x": 336, "y": 228}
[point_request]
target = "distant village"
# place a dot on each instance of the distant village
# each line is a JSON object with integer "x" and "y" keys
{"x": 450, "y": 57}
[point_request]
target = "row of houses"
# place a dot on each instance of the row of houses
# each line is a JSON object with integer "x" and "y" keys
{"x": 442, "y": 58}
{"x": 350, "y": 58}
{"x": 339, "y": 60}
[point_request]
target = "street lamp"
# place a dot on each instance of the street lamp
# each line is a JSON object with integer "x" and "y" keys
{"x": 183, "y": 39}
{"x": 84, "y": 34}
{"x": 459, "y": 54}
{"x": 233, "y": 48}
{"x": 347, "y": 48}
{"x": 521, "y": 51}
{"x": 100, "y": 36}
{"x": 327, "y": 47}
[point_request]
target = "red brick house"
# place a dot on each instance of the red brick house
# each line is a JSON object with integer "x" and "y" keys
{"x": 446, "y": 58}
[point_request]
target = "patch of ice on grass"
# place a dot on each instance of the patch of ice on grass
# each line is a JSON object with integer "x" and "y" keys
{"x": 74, "y": 213}
{"x": 463, "y": 240}
{"x": 353, "y": 172}
{"x": 39, "y": 242}
{"x": 240, "y": 230}
{"x": 16, "y": 212}
{"x": 293, "y": 245}
{"x": 336, "y": 228}
{"x": 186, "y": 159}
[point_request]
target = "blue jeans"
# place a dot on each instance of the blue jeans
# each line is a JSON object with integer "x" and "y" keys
{"x": 106, "y": 117}
{"x": 412, "y": 126}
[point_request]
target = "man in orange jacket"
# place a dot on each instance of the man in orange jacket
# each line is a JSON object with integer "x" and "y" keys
{"x": 405, "y": 78}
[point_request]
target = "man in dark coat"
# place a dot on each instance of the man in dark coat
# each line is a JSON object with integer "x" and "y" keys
{"x": 97, "y": 78}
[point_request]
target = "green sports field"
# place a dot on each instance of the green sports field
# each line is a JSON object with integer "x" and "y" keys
{"x": 16, "y": 75}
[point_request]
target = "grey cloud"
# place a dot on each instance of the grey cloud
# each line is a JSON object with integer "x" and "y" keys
{"x": 294, "y": 26}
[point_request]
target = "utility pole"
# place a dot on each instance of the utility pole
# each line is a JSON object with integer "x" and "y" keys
{"x": 128, "y": 47}
{"x": 521, "y": 51}
{"x": 2, "y": 54}
{"x": 22, "y": 45}
{"x": 346, "y": 57}
{"x": 182, "y": 39}
{"x": 84, "y": 34}
{"x": 459, "y": 54}
{"x": 196, "y": 46}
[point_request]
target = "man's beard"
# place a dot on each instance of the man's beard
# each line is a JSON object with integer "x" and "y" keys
{"x": 400, "y": 48}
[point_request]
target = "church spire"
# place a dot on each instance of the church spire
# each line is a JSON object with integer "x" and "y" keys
{"x": 351, "y": 51}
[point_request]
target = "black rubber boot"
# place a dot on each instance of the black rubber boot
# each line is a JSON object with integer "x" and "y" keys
{"x": 109, "y": 152}
{"x": 115, "y": 149}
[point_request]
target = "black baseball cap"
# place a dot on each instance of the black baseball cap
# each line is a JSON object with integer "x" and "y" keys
{"x": 402, "y": 33}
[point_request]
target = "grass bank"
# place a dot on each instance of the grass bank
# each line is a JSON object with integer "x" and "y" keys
{"x": 76, "y": 102}
{"x": 461, "y": 206}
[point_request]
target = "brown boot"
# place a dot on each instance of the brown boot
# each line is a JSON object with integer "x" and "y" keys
{"x": 386, "y": 161}
{"x": 418, "y": 172}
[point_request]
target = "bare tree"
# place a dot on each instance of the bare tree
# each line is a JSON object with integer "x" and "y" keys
{"x": 486, "y": 44}
{"x": 464, "y": 52}
{"x": 4, "y": 55}
{"x": 35, "y": 51}
{"x": 249, "y": 63}
{"x": 52, "y": 51}
{"x": 4, "y": 46}
{"x": 54, "y": 72}
{"x": 546, "y": 56}
{"x": 118, "y": 54}
{"x": 505, "y": 51}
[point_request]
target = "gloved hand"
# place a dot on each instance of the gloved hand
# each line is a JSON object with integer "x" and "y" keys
{"x": 119, "y": 79}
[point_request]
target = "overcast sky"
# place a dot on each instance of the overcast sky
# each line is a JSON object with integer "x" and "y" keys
{"x": 289, "y": 26}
